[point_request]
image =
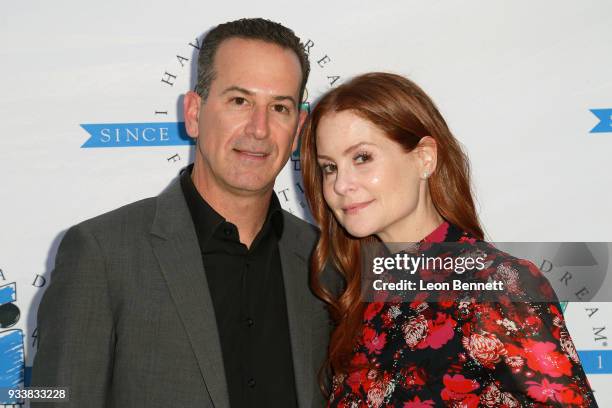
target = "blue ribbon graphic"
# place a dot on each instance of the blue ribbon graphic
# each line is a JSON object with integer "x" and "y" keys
{"x": 605, "y": 120}
{"x": 11, "y": 363}
{"x": 8, "y": 293}
{"x": 136, "y": 134}
{"x": 596, "y": 361}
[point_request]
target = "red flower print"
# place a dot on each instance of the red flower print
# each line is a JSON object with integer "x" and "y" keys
{"x": 514, "y": 350}
{"x": 415, "y": 330}
{"x": 547, "y": 291}
{"x": 469, "y": 401}
{"x": 417, "y": 403}
{"x": 533, "y": 322}
{"x": 509, "y": 401}
{"x": 376, "y": 395}
{"x": 419, "y": 300}
{"x": 355, "y": 379}
{"x": 541, "y": 356}
{"x": 440, "y": 332}
{"x": 568, "y": 347}
{"x": 414, "y": 375}
{"x": 555, "y": 330}
{"x": 555, "y": 311}
{"x": 568, "y": 396}
{"x": 438, "y": 235}
{"x": 359, "y": 360}
{"x": 510, "y": 277}
{"x": 534, "y": 270}
{"x": 544, "y": 391}
{"x": 387, "y": 321}
{"x": 515, "y": 363}
{"x": 467, "y": 239}
{"x": 459, "y": 384}
{"x": 426, "y": 275}
{"x": 358, "y": 376}
{"x": 446, "y": 300}
{"x": 486, "y": 348}
{"x": 372, "y": 310}
{"x": 374, "y": 341}
{"x": 338, "y": 380}
{"x": 458, "y": 388}
{"x": 462, "y": 351}
{"x": 491, "y": 396}
{"x": 488, "y": 317}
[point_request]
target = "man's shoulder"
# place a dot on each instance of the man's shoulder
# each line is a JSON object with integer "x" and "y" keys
{"x": 299, "y": 226}
{"x": 135, "y": 215}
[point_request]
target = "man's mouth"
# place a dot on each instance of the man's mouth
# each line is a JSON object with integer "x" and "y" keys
{"x": 252, "y": 154}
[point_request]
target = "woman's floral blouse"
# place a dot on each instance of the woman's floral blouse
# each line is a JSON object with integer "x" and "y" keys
{"x": 466, "y": 352}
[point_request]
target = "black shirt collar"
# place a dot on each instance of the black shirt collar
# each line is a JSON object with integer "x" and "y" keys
{"x": 207, "y": 220}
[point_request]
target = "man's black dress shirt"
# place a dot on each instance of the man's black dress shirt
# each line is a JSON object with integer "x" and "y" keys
{"x": 246, "y": 286}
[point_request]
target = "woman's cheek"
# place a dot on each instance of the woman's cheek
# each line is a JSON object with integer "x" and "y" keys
{"x": 375, "y": 180}
{"x": 328, "y": 195}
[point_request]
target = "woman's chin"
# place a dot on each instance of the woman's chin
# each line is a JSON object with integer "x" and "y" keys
{"x": 359, "y": 231}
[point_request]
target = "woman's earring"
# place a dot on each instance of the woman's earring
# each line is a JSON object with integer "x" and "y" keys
{"x": 425, "y": 175}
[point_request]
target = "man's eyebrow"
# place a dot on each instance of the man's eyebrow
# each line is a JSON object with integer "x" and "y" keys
{"x": 347, "y": 150}
{"x": 235, "y": 88}
{"x": 285, "y": 98}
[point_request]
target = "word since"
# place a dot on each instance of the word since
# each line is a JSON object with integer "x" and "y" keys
{"x": 147, "y": 134}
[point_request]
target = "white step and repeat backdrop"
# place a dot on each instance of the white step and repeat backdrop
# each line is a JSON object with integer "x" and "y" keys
{"x": 524, "y": 85}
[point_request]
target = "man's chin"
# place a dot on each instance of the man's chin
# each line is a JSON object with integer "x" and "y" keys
{"x": 251, "y": 187}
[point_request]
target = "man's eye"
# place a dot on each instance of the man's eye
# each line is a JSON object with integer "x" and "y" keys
{"x": 280, "y": 108}
{"x": 239, "y": 100}
{"x": 362, "y": 157}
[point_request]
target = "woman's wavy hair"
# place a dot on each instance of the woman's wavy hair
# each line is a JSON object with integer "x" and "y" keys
{"x": 405, "y": 113}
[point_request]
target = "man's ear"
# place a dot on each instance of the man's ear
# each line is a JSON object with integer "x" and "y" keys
{"x": 191, "y": 109}
{"x": 301, "y": 120}
{"x": 427, "y": 151}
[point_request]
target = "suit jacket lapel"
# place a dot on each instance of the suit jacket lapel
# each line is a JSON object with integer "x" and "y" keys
{"x": 176, "y": 247}
{"x": 294, "y": 262}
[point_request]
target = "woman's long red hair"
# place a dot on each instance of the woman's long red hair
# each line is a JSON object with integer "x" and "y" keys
{"x": 406, "y": 114}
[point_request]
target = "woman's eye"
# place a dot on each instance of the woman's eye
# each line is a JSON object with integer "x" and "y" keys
{"x": 328, "y": 168}
{"x": 362, "y": 157}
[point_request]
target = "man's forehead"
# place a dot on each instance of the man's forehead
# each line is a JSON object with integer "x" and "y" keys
{"x": 257, "y": 66}
{"x": 241, "y": 43}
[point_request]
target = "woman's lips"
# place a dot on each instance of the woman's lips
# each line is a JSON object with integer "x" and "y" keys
{"x": 356, "y": 207}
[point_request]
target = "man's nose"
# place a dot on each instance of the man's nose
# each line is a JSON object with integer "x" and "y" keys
{"x": 258, "y": 125}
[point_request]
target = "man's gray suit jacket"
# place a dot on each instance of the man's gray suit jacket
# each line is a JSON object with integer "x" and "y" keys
{"x": 128, "y": 321}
